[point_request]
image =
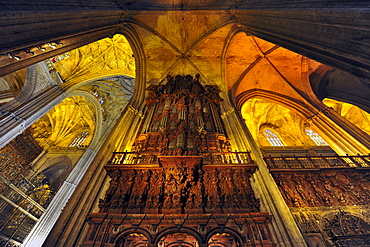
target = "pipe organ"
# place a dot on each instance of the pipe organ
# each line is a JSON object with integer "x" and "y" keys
{"x": 181, "y": 184}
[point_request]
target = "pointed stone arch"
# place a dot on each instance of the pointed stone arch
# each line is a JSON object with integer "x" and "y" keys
{"x": 326, "y": 122}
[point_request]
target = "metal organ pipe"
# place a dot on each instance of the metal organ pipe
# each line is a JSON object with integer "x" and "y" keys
{"x": 164, "y": 119}
{"x": 182, "y": 109}
{"x": 181, "y": 140}
{"x": 167, "y": 104}
{"x": 199, "y": 114}
{"x": 165, "y": 113}
{"x": 182, "y": 113}
{"x": 216, "y": 118}
{"x": 148, "y": 119}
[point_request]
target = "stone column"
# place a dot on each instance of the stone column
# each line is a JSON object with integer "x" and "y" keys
{"x": 284, "y": 228}
{"x": 14, "y": 121}
{"x": 44, "y": 225}
{"x": 86, "y": 195}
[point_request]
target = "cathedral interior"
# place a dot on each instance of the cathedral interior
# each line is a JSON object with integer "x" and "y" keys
{"x": 184, "y": 123}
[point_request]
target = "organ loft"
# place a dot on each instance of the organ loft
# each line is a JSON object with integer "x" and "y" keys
{"x": 181, "y": 184}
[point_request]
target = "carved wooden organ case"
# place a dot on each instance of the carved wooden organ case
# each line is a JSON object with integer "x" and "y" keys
{"x": 181, "y": 185}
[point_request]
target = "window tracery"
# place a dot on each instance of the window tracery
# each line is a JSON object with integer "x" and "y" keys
{"x": 80, "y": 139}
{"x": 316, "y": 138}
{"x": 60, "y": 57}
{"x": 273, "y": 138}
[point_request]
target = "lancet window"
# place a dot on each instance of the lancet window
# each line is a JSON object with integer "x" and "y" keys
{"x": 60, "y": 57}
{"x": 316, "y": 138}
{"x": 80, "y": 139}
{"x": 273, "y": 138}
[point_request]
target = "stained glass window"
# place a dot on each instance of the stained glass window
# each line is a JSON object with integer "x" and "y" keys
{"x": 273, "y": 138}
{"x": 79, "y": 140}
{"x": 316, "y": 138}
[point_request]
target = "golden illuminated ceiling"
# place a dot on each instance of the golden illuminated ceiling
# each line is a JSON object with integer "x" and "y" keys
{"x": 106, "y": 57}
{"x": 261, "y": 114}
{"x": 352, "y": 113}
{"x": 61, "y": 125}
{"x": 223, "y": 54}
{"x": 109, "y": 67}
{"x": 252, "y": 63}
{"x": 174, "y": 44}
{"x": 178, "y": 43}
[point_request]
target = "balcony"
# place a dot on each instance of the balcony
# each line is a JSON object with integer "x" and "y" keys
{"x": 150, "y": 158}
{"x": 317, "y": 162}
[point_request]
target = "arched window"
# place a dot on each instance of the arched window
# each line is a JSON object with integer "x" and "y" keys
{"x": 273, "y": 138}
{"x": 316, "y": 138}
{"x": 60, "y": 57}
{"x": 79, "y": 140}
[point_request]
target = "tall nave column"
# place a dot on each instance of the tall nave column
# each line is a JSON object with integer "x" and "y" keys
{"x": 284, "y": 228}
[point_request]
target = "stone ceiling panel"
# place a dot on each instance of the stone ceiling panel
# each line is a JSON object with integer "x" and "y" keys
{"x": 184, "y": 67}
{"x": 263, "y": 44}
{"x": 109, "y": 56}
{"x": 352, "y": 113}
{"x": 207, "y": 55}
{"x": 288, "y": 64}
{"x": 260, "y": 114}
{"x": 241, "y": 54}
{"x": 64, "y": 122}
{"x": 160, "y": 56}
{"x": 182, "y": 29}
{"x": 264, "y": 76}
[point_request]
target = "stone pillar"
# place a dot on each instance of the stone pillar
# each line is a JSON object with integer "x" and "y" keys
{"x": 234, "y": 128}
{"x": 87, "y": 194}
{"x": 44, "y": 225}
{"x": 130, "y": 125}
{"x": 284, "y": 228}
{"x": 40, "y": 93}
{"x": 14, "y": 121}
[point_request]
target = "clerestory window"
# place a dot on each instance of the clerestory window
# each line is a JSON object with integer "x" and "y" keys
{"x": 273, "y": 138}
{"x": 79, "y": 140}
{"x": 316, "y": 138}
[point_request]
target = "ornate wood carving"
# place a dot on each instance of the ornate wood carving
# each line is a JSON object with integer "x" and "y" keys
{"x": 324, "y": 194}
{"x": 113, "y": 229}
{"x": 330, "y": 226}
{"x": 180, "y": 174}
{"x": 180, "y": 189}
{"x": 323, "y": 189}
{"x": 184, "y": 119}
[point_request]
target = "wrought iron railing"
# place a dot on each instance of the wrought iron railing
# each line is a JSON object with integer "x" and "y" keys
{"x": 317, "y": 162}
{"x": 142, "y": 158}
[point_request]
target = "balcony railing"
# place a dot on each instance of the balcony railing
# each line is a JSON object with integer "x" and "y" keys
{"x": 133, "y": 158}
{"x": 142, "y": 158}
{"x": 317, "y": 162}
{"x": 227, "y": 158}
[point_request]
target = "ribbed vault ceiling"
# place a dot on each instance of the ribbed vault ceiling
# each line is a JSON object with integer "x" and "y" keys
{"x": 106, "y": 57}
{"x": 224, "y": 55}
